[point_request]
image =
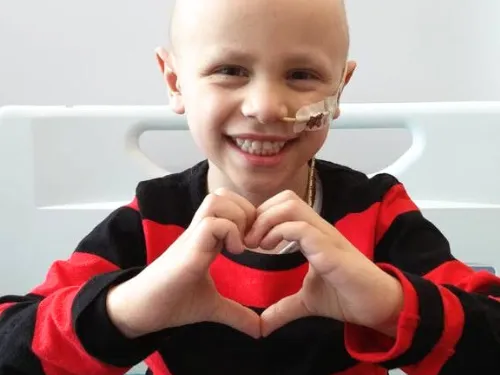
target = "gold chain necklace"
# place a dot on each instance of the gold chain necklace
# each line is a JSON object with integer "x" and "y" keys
{"x": 311, "y": 186}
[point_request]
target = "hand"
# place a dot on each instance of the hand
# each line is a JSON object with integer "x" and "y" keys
{"x": 177, "y": 289}
{"x": 342, "y": 283}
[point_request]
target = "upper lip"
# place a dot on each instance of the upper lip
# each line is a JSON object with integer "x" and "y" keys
{"x": 263, "y": 137}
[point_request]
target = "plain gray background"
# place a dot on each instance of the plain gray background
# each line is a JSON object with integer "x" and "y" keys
{"x": 102, "y": 52}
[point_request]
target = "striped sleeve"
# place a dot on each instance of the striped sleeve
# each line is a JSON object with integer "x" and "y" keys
{"x": 62, "y": 327}
{"x": 450, "y": 323}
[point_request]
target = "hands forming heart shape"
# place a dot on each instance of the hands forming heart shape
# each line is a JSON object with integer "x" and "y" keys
{"x": 177, "y": 288}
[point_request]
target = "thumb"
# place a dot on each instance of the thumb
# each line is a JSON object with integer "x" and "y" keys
{"x": 237, "y": 316}
{"x": 282, "y": 312}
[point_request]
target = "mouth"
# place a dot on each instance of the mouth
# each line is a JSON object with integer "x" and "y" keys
{"x": 260, "y": 147}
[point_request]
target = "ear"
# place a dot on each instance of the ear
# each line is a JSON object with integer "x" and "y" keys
{"x": 167, "y": 68}
{"x": 349, "y": 71}
{"x": 350, "y": 68}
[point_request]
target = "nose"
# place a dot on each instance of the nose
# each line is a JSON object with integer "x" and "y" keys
{"x": 265, "y": 102}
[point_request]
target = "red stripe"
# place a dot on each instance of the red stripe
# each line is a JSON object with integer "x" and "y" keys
{"x": 55, "y": 342}
{"x": 451, "y": 272}
{"x": 479, "y": 282}
{"x": 159, "y": 237}
{"x": 252, "y": 287}
{"x": 364, "y": 222}
{"x": 462, "y": 276}
{"x": 395, "y": 203}
{"x": 5, "y": 306}
{"x": 375, "y": 220}
{"x": 157, "y": 365}
{"x": 367, "y": 345}
{"x": 75, "y": 271}
{"x": 453, "y": 327}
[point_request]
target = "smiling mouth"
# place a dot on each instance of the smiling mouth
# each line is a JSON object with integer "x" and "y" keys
{"x": 260, "y": 148}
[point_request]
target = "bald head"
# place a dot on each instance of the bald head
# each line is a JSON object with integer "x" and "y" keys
{"x": 190, "y": 16}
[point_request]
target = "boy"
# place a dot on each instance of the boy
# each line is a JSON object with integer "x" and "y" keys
{"x": 189, "y": 277}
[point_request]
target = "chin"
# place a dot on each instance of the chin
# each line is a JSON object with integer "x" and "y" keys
{"x": 263, "y": 185}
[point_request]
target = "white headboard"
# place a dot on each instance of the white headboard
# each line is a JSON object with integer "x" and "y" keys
{"x": 64, "y": 168}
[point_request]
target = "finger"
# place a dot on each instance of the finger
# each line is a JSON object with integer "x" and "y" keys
{"x": 294, "y": 211}
{"x": 281, "y": 313}
{"x": 217, "y": 206}
{"x": 238, "y": 317}
{"x": 284, "y": 196}
{"x": 294, "y": 231}
{"x": 218, "y": 232}
{"x": 248, "y": 208}
{"x": 206, "y": 241}
{"x": 321, "y": 251}
{"x": 291, "y": 210}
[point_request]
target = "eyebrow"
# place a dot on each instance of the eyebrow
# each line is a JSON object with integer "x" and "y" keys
{"x": 294, "y": 58}
{"x": 308, "y": 58}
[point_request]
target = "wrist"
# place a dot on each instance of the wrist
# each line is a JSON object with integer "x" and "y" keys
{"x": 119, "y": 311}
{"x": 395, "y": 302}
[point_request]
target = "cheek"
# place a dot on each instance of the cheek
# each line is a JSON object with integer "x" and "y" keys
{"x": 316, "y": 140}
{"x": 210, "y": 108}
{"x": 207, "y": 113}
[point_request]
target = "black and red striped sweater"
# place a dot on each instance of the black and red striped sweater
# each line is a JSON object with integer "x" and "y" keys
{"x": 450, "y": 323}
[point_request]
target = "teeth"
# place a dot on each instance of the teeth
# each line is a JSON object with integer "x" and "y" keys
{"x": 258, "y": 147}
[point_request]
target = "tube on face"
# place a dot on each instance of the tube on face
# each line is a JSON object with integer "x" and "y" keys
{"x": 316, "y": 116}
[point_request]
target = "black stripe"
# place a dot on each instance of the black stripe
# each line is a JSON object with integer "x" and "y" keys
{"x": 430, "y": 328}
{"x": 18, "y": 299}
{"x": 492, "y": 290}
{"x": 21, "y": 301}
{"x": 413, "y": 244}
{"x": 173, "y": 199}
{"x": 346, "y": 191}
{"x": 17, "y": 327}
{"x": 96, "y": 331}
{"x": 311, "y": 345}
{"x": 119, "y": 239}
{"x": 478, "y": 350}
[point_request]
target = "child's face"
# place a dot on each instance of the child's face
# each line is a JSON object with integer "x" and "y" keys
{"x": 240, "y": 67}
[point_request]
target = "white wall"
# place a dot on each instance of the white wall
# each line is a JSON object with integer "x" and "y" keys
{"x": 425, "y": 50}
{"x": 101, "y": 52}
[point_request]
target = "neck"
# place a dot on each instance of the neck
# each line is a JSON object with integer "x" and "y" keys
{"x": 263, "y": 187}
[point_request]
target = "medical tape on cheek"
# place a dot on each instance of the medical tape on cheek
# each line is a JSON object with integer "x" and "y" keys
{"x": 316, "y": 116}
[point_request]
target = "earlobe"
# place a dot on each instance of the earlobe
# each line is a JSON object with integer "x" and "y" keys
{"x": 177, "y": 103}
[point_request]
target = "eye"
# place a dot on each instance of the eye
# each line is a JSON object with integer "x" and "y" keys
{"x": 235, "y": 71}
{"x": 302, "y": 75}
